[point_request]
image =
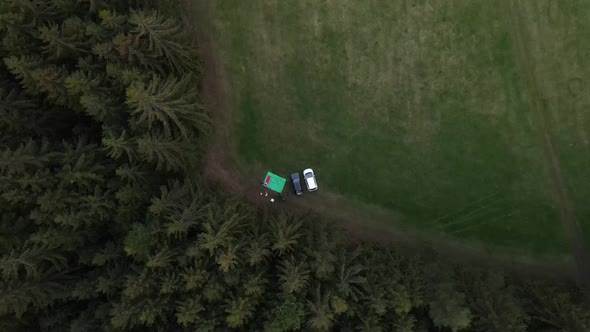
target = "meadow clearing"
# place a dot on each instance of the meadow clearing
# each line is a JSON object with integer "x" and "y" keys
{"x": 465, "y": 118}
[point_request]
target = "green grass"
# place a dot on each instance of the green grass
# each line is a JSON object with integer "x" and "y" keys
{"x": 418, "y": 107}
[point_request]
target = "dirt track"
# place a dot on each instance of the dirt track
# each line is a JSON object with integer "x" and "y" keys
{"x": 221, "y": 168}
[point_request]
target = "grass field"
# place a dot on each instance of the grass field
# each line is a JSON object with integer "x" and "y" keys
{"x": 438, "y": 110}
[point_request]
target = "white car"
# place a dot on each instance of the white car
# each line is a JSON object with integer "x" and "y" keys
{"x": 310, "y": 182}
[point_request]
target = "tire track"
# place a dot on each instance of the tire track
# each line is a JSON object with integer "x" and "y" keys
{"x": 567, "y": 210}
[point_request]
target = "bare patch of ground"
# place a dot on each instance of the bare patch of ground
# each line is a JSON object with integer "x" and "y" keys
{"x": 221, "y": 148}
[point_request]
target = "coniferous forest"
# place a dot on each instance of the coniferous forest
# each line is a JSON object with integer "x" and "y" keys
{"x": 107, "y": 225}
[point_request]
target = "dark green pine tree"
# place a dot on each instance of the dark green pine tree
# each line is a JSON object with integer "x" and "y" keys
{"x": 447, "y": 304}
{"x": 168, "y": 104}
{"x": 555, "y": 306}
{"x": 494, "y": 303}
{"x": 23, "y": 67}
{"x": 67, "y": 40}
{"x": 163, "y": 37}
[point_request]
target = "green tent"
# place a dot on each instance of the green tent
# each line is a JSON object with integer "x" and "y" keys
{"x": 274, "y": 182}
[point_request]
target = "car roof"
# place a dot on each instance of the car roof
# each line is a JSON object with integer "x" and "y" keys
{"x": 311, "y": 182}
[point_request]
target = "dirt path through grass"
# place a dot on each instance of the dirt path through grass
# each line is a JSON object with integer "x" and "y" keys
{"x": 222, "y": 168}
{"x": 568, "y": 216}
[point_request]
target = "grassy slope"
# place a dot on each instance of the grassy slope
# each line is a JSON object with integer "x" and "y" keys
{"x": 416, "y": 106}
